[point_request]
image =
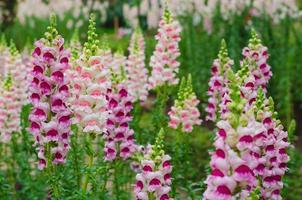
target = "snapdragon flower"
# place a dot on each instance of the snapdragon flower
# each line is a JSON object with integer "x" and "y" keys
{"x": 273, "y": 140}
{"x": 232, "y": 176}
{"x": 90, "y": 83}
{"x": 154, "y": 180}
{"x": 119, "y": 137}
{"x": 185, "y": 114}
{"x": 50, "y": 118}
{"x": 250, "y": 147}
{"x": 137, "y": 74}
{"x": 164, "y": 62}
{"x": 10, "y": 109}
{"x": 257, "y": 55}
{"x": 218, "y": 91}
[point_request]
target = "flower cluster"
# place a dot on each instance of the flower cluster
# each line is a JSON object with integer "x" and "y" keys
{"x": 272, "y": 163}
{"x": 119, "y": 138}
{"x": 90, "y": 83}
{"x": 50, "y": 118}
{"x": 137, "y": 74}
{"x": 250, "y": 144}
{"x": 164, "y": 59}
{"x": 14, "y": 91}
{"x": 256, "y": 55}
{"x": 218, "y": 92}
{"x": 231, "y": 171}
{"x": 10, "y": 108}
{"x": 185, "y": 114}
{"x": 154, "y": 181}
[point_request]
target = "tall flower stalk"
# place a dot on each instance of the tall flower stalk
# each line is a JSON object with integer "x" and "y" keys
{"x": 250, "y": 144}
{"x": 232, "y": 176}
{"x": 137, "y": 74}
{"x": 164, "y": 62}
{"x": 273, "y": 159}
{"x": 88, "y": 101}
{"x": 50, "y": 118}
{"x": 13, "y": 95}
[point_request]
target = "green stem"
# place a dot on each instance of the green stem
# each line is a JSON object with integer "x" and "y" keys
{"x": 76, "y": 158}
{"x": 90, "y": 152}
{"x": 159, "y": 115}
{"x": 52, "y": 174}
{"x": 87, "y": 176}
{"x": 116, "y": 180}
{"x": 151, "y": 196}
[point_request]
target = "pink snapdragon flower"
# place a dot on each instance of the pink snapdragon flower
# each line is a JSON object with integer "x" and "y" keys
{"x": 257, "y": 55}
{"x": 233, "y": 161}
{"x": 250, "y": 147}
{"x": 14, "y": 93}
{"x": 119, "y": 139}
{"x": 185, "y": 114}
{"x": 164, "y": 62}
{"x": 88, "y": 101}
{"x": 90, "y": 81}
{"x": 248, "y": 88}
{"x": 50, "y": 119}
{"x": 137, "y": 74}
{"x": 218, "y": 91}
{"x": 10, "y": 109}
{"x": 20, "y": 71}
{"x": 155, "y": 176}
{"x": 274, "y": 144}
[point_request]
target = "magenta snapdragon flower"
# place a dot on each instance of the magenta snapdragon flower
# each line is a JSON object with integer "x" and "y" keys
{"x": 250, "y": 146}
{"x": 154, "y": 178}
{"x": 119, "y": 139}
{"x": 218, "y": 91}
{"x": 257, "y": 55}
{"x": 50, "y": 119}
{"x": 273, "y": 157}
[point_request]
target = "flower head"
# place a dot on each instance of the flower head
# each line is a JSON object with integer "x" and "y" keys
{"x": 155, "y": 176}
{"x": 137, "y": 74}
{"x": 218, "y": 90}
{"x": 90, "y": 82}
{"x": 50, "y": 117}
{"x": 164, "y": 62}
{"x": 185, "y": 114}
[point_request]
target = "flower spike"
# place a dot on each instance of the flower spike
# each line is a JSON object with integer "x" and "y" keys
{"x": 185, "y": 114}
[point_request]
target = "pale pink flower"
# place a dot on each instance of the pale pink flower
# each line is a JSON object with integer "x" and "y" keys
{"x": 164, "y": 62}
{"x": 185, "y": 114}
{"x": 137, "y": 74}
